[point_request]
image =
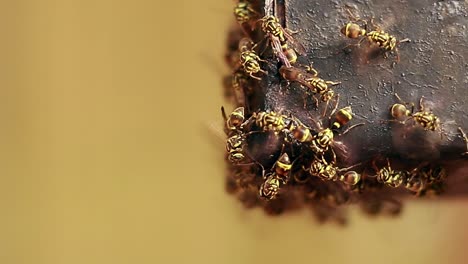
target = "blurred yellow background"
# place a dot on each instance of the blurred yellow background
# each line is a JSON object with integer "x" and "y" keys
{"x": 105, "y": 156}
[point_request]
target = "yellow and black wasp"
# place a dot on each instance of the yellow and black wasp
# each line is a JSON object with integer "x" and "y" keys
{"x": 426, "y": 178}
{"x": 281, "y": 174}
{"x": 329, "y": 172}
{"x": 389, "y": 176}
{"x": 244, "y": 12}
{"x": 249, "y": 59}
{"x": 234, "y": 128}
{"x": 281, "y": 39}
{"x": 270, "y": 121}
{"x": 376, "y": 36}
{"x": 324, "y": 139}
{"x": 427, "y": 119}
{"x": 310, "y": 80}
{"x": 234, "y": 121}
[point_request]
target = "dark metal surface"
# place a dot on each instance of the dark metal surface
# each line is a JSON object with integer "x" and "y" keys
{"x": 433, "y": 65}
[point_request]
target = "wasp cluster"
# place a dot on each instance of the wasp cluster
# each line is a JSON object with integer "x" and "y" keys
{"x": 281, "y": 162}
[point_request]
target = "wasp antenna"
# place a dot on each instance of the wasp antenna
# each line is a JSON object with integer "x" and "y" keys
{"x": 421, "y": 106}
{"x": 336, "y": 106}
{"x": 223, "y": 113}
{"x": 351, "y": 127}
{"x": 374, "y": 165}
{"x": 350, "y": 167}
{"x": 252, "y": 132}
{"x": 399, "y": 98}
{"x": 388, "y": 163}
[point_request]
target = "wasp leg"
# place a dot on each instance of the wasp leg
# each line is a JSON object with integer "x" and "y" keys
{"x": 405, "y": 103}
{"x": 392, "y": 121}
{"x": 255, "y": 77}
{"x": 349, "y": 46}
{"x": 465, "y": 138}
{"x": 350, "y": 167}
{"x": 304, "y": 99}
{"x": 375, "y": 26}
{"x": 355, "y": 18}
{"x": 291, "y": 32}
{"x": 421, "y": 106}
{"x": 404, "y": 40}
{"x": 385, "y": 55}
{"x": 331, "y": 83}
{"x": 312, "y": 70}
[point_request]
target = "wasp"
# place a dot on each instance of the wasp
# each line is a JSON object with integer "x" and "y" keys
{"x": 425, "y": 178}
{"x": 273, "y": 121}
{"x": 286, "y": 51}
{"x": 281, "y": 170}
{"x": 272, "y": 26}
{"x": 390, "y": 177}
{"x": 270, "y": 187}
{"x": 427, "y": 119}
{"x": 235, "y": 148}
{"x": 249, "y": 59}
{"x": 273, "y": 29}
{"x": 415, "y": 183}
{"x": 315, "y": 84}
{"x": 234, "y": 125}
{"x": 236, "y": 86}
{"x": 244, "y": 12}
{"x": 282, "y": 42}
{"x": 377, "y": 36}
{"x": 433, "y": 173}
{"x": 325, "y": 137}
{"x": 327, "y": 171}
{"x": 235, "y": 120}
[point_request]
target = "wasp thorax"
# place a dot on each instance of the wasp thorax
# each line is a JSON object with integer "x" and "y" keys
{"x": 271, "y": 25}
{"x": 392, "y": 43}
{"x": 234, "y": 142}
{"x": 316, "y": 167}
{"x": 398, "y": 111}
{"x": 328, "y": 95}
{"x": 325, "y": 136}
{"x": 351, "y": 178}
